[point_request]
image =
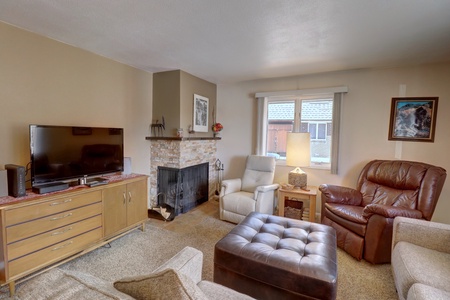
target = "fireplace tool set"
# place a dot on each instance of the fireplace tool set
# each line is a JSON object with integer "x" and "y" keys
{"x": 219, "y": 169}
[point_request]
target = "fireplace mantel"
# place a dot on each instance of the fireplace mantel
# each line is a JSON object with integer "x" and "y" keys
{"x": 174, "y": 138}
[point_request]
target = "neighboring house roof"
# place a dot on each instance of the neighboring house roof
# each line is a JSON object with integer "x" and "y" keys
{"x": 281, "y": 111}
{"x": 311, "y": 110}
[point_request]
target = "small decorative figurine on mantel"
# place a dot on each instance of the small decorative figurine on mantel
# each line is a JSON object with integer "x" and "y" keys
{"x": 158, "y": 128}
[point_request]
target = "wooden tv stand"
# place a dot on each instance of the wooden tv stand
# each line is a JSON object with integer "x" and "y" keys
{"x": 45, "y": 230}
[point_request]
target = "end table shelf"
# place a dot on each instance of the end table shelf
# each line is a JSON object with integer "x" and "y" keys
{"x": 297, "y": 194}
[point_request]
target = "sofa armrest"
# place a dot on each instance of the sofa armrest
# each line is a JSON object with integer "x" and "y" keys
{"x": 230, "y": 186}
{"x": 189, "y": 261}
{"x": 340, "y": 194}
{"x": 427, "y": 234}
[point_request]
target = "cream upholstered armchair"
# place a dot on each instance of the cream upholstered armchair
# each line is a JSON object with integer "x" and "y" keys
{"x": 255, "y": 191}
{"x": 420, "y": 259}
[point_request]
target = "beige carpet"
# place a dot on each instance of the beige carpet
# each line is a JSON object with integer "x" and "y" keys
{"x": 141, "y": 252}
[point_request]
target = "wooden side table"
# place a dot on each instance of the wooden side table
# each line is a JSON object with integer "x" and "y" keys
{"x": 300, "y": 195}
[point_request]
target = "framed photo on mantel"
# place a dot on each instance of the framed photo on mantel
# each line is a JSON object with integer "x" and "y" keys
{"x": 200, "y": 113}
{"x": 413, "y": 119}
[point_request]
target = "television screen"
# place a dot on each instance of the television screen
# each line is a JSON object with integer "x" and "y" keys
{"x": 60, "y": 153}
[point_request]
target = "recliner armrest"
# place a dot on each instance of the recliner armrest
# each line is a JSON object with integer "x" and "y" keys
{"x": 230, "y": 186}
{"x": 264, "y": 197}
{"x": 340, "y": 194}
{"x": 427, "y": 234}
{"x": 390, "y": 211}
{"x": 266, "y": 188}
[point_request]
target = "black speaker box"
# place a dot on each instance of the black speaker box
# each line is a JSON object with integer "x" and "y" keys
{"x": 50, "y": 187}
{"x": 16, "y": 180}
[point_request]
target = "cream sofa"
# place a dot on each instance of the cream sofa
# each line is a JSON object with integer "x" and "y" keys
{"x": 178, "y": 278}
{"x": 421, "y": 259}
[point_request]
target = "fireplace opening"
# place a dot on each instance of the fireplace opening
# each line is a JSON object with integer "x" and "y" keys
{"x": 183, "y": 189}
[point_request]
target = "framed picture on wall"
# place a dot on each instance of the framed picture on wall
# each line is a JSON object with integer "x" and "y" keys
{"x": 413, "y": 119}
{"x": 200, "y": 113}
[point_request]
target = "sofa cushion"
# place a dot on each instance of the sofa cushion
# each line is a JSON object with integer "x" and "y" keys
{"x": 241, "y": 202}
{"x": 421, "y": 292}
{"x": 167, "y": 284}
{"x": 415, "y": 264}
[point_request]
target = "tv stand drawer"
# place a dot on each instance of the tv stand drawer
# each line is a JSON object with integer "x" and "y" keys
{"x": 53, "y": 253}
{"x": 52, "y": 237}
{"x": 56, "y": 205}
{"x": 38, "y": 226}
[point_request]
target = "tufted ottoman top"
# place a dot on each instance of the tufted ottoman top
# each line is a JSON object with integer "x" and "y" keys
{"x": 288, "y": 254}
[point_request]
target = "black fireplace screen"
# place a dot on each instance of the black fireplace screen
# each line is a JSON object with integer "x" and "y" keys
{"x": 183, "y": 188}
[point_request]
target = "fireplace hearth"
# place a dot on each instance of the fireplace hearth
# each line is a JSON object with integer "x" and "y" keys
{"x": 183, "y": 189}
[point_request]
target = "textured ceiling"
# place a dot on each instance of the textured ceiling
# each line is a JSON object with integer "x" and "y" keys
{"x": 234, "y": 40}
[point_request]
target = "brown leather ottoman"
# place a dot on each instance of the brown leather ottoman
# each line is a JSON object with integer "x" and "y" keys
{"x": 272, "y": 257}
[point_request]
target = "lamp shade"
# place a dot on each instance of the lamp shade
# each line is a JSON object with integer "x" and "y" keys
{"x": 298, "y": 149}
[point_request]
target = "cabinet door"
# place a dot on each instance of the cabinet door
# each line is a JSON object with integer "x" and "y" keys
{"x": 115, "y": 209}
{"x": 137, "y": 202}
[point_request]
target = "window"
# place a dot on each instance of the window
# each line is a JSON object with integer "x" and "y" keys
{"x": 309, "y": 110}
{"x": 300, "y": 114}
{"x": 318, "y": 131}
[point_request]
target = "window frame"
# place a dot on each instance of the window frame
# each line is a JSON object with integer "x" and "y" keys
{"x": 297, "y": 122}
{"x": 338, "y": 99}
{"x": 317, "y": 139}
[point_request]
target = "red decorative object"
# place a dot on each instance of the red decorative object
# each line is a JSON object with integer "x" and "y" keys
{"x": 216, "y": 127}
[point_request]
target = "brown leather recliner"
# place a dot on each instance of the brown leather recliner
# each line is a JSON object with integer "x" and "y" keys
{"x": 363, "y": 217}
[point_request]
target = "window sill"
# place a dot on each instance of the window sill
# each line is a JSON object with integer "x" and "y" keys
{"x": 282, "y": 163}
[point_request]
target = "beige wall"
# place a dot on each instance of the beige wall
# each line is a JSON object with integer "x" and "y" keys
{"x": 365, "y": 120}
{"x": 166, "y": 96}
{"x": 191, "y": 85}
{"x": 43, "y": 81}
{"x": 173, "y": 98}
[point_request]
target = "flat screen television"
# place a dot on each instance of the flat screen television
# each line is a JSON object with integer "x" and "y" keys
{"x": 61, "y": 153}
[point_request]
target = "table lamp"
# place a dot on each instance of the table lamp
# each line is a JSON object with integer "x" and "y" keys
{"x": 298, "y": 154}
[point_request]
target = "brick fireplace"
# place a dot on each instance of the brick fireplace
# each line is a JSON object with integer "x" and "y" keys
{"x": 180, "y": 153}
